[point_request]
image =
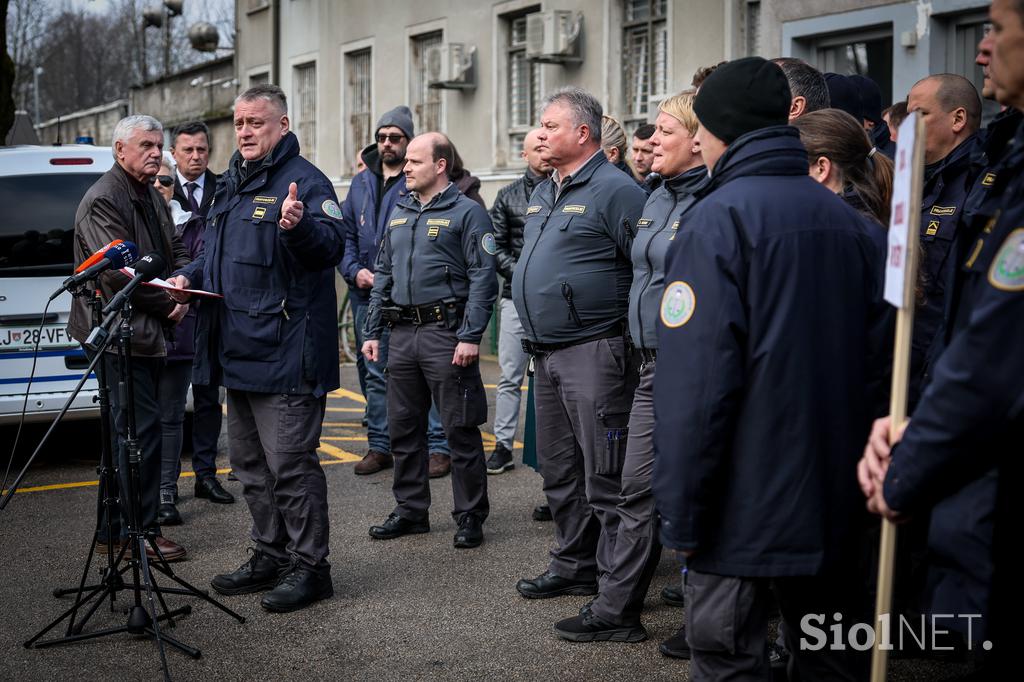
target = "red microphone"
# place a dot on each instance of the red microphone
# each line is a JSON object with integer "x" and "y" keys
{"x": 97, "y": 256}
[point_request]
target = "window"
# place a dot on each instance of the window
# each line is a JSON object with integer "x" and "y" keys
{"x": 358, "y": 82}
{"x": 259, "y": 78}
{"x": 868, "y": 53}
{"x": 304, "y": 108}
{"x": 426, "y": 102}
{"x": 962, "y": 49}
{"x": 523, "y": 86}
{"x": 644, "y": 57}
{"x": 753, "y": 27}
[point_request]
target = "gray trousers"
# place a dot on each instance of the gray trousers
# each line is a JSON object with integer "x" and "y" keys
{"x": 420, "y": 368}
{"x": 622, "y": 589}
{"x": 727, "y": 626}
{"x": 583, "y": 396}
{"x": 513, "y": 361}
{"x": 272, "y": 441}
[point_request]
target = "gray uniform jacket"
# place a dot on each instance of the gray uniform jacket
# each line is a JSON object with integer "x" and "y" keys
{"x": 430, "y": 253}
{"x": 572, "y": 279}
{"x": 655, "y": 231}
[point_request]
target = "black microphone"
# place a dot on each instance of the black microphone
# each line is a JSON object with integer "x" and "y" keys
{"x": 146, "y": 268}
{"x": 114, "y": 256}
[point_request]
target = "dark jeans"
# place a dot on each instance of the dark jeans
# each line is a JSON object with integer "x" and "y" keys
{"x": 207, "y": 417}
{"x": 171, "y": 392}
{"x": 374, "y": 386}
{"x": 146, "y": 373}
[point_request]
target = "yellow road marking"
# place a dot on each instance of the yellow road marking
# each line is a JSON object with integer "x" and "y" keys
{"x": 524, "y": 387}
{"x": 347, "y": 425}
{"x": 86, "y": 484}
{"x": 345, "y": 409}
{"x": 345, "y": 393}
{"x": 338, "y": 454}
{"x": 348, "y": 439}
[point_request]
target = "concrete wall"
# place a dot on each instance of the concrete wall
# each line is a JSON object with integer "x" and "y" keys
{"x": 97, "y": 123}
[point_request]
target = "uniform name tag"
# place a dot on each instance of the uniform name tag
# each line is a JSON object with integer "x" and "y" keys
{"x": 264, "y": 200}
{"x": 943, "y": 210}
{"x": 933, "y": 228}
{"x": 398, "y": 221}
{"x": 443, "y": 222}
{"x": 259, "y": 212}
{"x": 574, "y": 208}
{"x": 988, "y": 180}
{"x": 532, "y": 210}
{"x": 643, "y": 222}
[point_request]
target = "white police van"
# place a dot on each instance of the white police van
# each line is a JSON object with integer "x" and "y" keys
{"x": 40, "y": 189}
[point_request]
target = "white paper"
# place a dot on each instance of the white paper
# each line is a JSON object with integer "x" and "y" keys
{"x": 899, "y": 221}
{"x": 164, "y": 284}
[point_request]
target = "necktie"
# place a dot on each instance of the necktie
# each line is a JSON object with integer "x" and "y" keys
{"x": 193, "y": 204}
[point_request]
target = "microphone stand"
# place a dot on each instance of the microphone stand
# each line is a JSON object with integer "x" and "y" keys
{"x": 141, "y": 621}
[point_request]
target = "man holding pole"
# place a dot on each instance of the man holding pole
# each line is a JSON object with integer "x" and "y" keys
{"x": 770, "y": 279}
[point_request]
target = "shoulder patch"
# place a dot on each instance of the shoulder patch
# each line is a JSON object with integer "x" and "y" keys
{"x": 264, "y": 200}
{"x": 331, "y": 208}
{"x": 574, "y": 208}
{"x": 1007, "y": 269}
{"x": 487, "y": 242}
{"x": 533, "y": 209}
{"x": 677, "y": 304}
{"x": 943, "y": 210}
{"x": 398, "y": 221}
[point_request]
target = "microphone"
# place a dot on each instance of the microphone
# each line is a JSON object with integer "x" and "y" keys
{"x": 146, "y": 268}
{"x": 113, "y": 256}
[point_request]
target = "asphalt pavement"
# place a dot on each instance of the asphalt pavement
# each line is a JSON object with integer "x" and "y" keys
{"x": 413, "y": 608}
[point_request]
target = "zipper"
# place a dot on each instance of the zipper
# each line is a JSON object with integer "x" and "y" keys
{"x": 526, "y": 264}
{"x": 448, "y": 280}
{"x": 412, "y": 254}
{"x": 650, "y": 271}
{"x": 574, "y": 315}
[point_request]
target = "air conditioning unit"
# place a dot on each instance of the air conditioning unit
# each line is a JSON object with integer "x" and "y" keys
{"x": 450, "y": 66}
{"x": 553, "y": 36}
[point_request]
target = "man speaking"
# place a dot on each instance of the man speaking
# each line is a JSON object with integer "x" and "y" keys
{"x": 273, "y": 237}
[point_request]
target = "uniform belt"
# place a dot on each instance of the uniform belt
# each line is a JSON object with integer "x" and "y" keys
{"x": 533, "y": 348}
{"x": 425, "y": 314}
{"x": 649, "y": 355}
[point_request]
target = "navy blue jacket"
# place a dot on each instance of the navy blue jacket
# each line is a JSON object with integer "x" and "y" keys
{"x": 761, "y": 399}
{"x": 970, "y": 414}
{"x": 364, "y": 224}
{"x": 276, "y": 330}
{"x": 572, "y": 280}
{"x": 945, "y": 191}
{"x": 655, "y": 231}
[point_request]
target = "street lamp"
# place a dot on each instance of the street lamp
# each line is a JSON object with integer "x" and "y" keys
{"x": 155, "y": 17}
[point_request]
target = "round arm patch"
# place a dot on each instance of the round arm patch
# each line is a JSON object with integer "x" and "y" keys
{"x": 677, "y": 304}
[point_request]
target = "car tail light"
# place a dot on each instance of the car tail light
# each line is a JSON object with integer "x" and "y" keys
{"x": 71, "y": 161}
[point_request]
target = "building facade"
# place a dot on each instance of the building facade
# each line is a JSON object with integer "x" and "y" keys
{"x": 478, "y": 70}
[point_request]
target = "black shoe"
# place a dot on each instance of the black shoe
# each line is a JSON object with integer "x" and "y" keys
{"x": 589, "y": 627}
{"x": 542, "y": 512}
{"x": 299, "y": 588}
{"x": 260, "y": 572}
{"x": 395, "y": 527}
{"x": 167, "y": 514}
{"x": 500, "y": 460}
{"x": 672, "y": 595}
{"x": 547, "y": 584}
{"x": 470, "y": 533}
{"x": 676, "y": 646}
{"x": 210, "y": 488}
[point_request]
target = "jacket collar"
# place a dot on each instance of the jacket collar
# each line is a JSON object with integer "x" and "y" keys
{"x": 687, "y": 182}
{"x": 954, "y": 162}
{"x": 285, "y": 150}
{"x": 582, "y": 174}
{"x": 446, "y": 198}
{"x": 775, "y": 150}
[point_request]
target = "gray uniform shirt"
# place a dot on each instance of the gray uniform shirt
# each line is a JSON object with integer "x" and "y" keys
{"x": 441, "y": 250}
{"x": 572, "y": 280}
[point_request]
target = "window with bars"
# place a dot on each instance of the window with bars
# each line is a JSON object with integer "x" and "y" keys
{"x": 644, "y": 56}
{"x": 426, "y": 102}
{"x": 304, "y": 108}
{"x": 523, "y": 86}
{"x": 259, "y": 78}
{"x": 358, "y": 80}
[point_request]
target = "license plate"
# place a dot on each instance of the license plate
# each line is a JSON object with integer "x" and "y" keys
{"x": 24, "y": 338}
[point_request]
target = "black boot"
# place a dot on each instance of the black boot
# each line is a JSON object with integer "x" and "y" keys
{"x": 299, "y": 588}
{"x": 260, "y": 572}
{"x": 470, "y": 533}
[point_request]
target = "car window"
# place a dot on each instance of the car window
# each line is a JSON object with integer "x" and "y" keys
{"x": 37, "y": 224}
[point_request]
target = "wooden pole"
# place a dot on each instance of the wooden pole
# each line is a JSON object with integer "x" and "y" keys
{"x": 898, "y": 406}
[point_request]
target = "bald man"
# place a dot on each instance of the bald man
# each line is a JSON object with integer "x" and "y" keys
{"x": 508, "y": 215}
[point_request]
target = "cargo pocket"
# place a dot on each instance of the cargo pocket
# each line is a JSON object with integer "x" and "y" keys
{"x": 258, "y": 248}
{"x": 611, "y": 440}
{"x": 712, "y": 605}
{"x": 471, "y": 408}
{"x": 252, "y": 324}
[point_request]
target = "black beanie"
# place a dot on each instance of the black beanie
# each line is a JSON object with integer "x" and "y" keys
{"x": 870, "y": 97}
{"x": 843, "y": 94}
{"x": 742, "y": 96}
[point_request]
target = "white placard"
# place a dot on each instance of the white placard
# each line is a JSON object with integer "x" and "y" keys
{"x": 903, "y": 207}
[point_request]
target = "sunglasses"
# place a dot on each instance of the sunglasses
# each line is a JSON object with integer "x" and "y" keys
{"x": 393, "y": 138}
{"x": 165, "y": 180}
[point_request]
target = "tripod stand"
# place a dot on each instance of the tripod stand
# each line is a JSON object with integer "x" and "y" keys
{"x": 133, "y": 554}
